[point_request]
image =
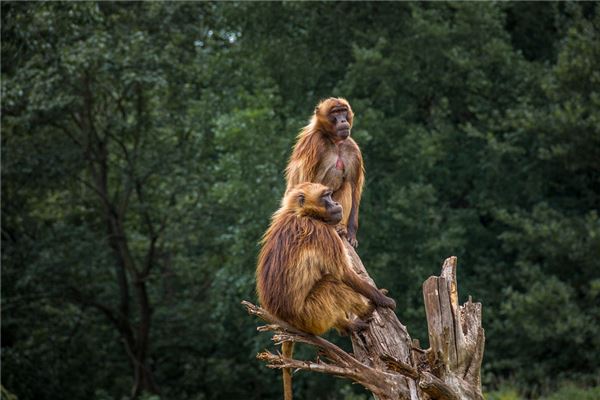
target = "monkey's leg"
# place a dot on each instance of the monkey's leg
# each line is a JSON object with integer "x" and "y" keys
{"x": 362, "y": 307}
{"x": 325, "y": 306}
{"x": 349, "y": 202}
{"x": 329, "y": 304}
{"x": 343, "y": 195}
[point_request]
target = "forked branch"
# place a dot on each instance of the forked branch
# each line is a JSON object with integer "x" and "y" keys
{"x": 332, "y": 359}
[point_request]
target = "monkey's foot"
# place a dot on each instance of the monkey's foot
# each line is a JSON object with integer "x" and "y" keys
{"x": 353, "y": 242}
{"x": 358, "y": 325}
{"x": 341, "y": 230}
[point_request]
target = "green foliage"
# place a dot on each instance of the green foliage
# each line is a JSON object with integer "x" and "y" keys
{"x": 573, "y": 392}
{"x": 504, "y": 393}
{"x": 567, "y": 391}
{"x": 480, "y": 128}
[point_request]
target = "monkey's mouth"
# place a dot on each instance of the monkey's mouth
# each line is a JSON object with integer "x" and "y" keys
{"x": 343, "y": 133}
{"x": 335, "y": 217}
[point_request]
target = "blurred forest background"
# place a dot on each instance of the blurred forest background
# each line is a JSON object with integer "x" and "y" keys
{"x": 143, "y": 148}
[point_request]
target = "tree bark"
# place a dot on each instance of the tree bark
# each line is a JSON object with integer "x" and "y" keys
{"x": 131, "y": 274}
{"x": 386, "y": 361}
{"x": 385, "y": 336}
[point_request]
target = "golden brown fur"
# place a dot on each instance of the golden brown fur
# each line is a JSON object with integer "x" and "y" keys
{"x": 316, "y": 156}
{"x": 304, "y": 274}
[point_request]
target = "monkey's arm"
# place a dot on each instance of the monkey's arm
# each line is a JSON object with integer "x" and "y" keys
{"x": 353, "y": 219}
{"x": 357, "y": 188}
{"x": 352, "y": 279}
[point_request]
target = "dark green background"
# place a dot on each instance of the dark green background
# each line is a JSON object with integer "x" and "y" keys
{"x": 480, "y": 128}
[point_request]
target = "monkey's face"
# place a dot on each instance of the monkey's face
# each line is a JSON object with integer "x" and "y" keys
{"x": 313, "y": 200}
{"x": 333, "y": 210}
{"x": 339, "y": 117}
{"x": 334, "y": 116}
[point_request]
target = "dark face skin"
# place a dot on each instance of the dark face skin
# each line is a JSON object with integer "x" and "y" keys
{"x": 338, "y": 116}
{"x": 334, "y": 210}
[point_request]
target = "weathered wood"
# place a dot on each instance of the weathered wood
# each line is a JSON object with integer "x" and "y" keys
{"x": 385, "y": 336}
{"x": 455, "y": 334}
{"x": 386, "y": 361}
{"x": 333, "y": 360}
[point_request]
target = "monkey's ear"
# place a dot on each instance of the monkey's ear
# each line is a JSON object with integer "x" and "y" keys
{"x": 301, "y": 199}
{"x": 316, "y": 109}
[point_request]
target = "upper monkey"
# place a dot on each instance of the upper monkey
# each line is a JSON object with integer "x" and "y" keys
{"x": 325, "y": 153}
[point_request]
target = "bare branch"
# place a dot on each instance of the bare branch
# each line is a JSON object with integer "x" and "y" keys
{"x": 104, "y": 199}
{"x": 380, "y": 383}
{"x": 436, "y": 388}
{"x": 78, "y": 297}
{"x": 400, "y": 367}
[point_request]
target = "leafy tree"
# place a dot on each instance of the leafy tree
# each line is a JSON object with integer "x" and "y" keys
{"x": 143, "y": 147}
{"x": 101, "y": 149}
{"x": 553, "y": 233}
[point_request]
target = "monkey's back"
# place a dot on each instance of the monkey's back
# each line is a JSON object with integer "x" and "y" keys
{"x": 292, "y": 260}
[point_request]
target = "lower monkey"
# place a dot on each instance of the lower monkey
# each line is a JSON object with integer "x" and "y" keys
{"x": 304, "y": 274}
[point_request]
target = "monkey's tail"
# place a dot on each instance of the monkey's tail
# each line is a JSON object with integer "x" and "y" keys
{"x": 287, "y": 348}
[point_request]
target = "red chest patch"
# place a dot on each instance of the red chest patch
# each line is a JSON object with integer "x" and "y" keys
{"x": 339, "y": 164}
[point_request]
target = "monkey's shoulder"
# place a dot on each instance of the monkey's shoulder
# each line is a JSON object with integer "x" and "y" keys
{"x": 350, "y": 145}
{"x": 309, "y": 144}
{"x": 314, "y": 231}
{"x": 300, "y": 228}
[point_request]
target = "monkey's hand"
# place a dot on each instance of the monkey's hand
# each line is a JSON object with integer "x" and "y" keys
{"x": 384, "y": 301}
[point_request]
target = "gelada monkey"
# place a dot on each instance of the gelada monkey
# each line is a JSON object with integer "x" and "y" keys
{"x": 325, "y": 153}
{"x": 304, "y": 274}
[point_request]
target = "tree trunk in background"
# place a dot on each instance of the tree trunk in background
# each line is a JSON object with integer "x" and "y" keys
{"x": 133, "y": 323}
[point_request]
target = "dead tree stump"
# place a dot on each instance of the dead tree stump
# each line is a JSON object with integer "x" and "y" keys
{"x": 386, "y": 361}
